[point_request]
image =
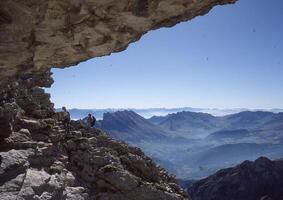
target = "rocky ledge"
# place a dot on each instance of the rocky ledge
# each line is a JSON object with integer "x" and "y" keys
{"x": 258, "y": 180}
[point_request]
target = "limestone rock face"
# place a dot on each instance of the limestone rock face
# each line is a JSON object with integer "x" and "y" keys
{"x": 36, "y": 35}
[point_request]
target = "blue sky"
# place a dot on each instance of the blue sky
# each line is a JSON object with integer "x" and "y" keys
{"x": 229, "y": 58}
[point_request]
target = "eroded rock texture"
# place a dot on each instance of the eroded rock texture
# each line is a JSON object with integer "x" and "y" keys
{"x": 36, "y": 35}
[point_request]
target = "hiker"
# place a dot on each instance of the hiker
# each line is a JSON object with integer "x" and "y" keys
{"x": 66, "y": 119}
{"x": 90, "y": 121}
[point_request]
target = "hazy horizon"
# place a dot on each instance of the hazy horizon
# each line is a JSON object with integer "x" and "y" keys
{"x": 147, "y": 113}
{"x": 145, "y": 108}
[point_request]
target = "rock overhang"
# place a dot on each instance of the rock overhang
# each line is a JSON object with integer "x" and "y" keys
{"x": 36, "y": 35}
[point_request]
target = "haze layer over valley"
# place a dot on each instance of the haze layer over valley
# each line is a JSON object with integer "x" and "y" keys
{"x": 194, "y": 145}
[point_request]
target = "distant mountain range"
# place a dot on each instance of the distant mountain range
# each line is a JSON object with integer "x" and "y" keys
{"x": 149, "y": 112}
{"x": 194, "y": 144}
{"x": 187, "y": 124}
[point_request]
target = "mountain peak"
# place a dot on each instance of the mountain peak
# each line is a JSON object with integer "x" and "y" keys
{"x": 129, "y": 126}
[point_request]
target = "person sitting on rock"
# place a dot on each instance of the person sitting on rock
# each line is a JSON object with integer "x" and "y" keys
{"x": 90, "y": 121}
{"x": 66, "y": 119}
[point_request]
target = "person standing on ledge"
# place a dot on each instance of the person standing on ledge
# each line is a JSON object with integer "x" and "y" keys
{"x": 66, "y": 119}
{"x": 90, "y": 121}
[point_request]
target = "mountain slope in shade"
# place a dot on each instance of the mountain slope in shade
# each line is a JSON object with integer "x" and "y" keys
{"x": 129, "y": 126}
{"x": 248, "y": 119}
{"x": 229, "y": 134}
{"x": 158, "y": 119}
{"x": 276, "y": 123}
{"x": 258, "y": 180}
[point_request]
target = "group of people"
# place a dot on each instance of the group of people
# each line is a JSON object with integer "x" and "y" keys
{"x": 66, "y": 119}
